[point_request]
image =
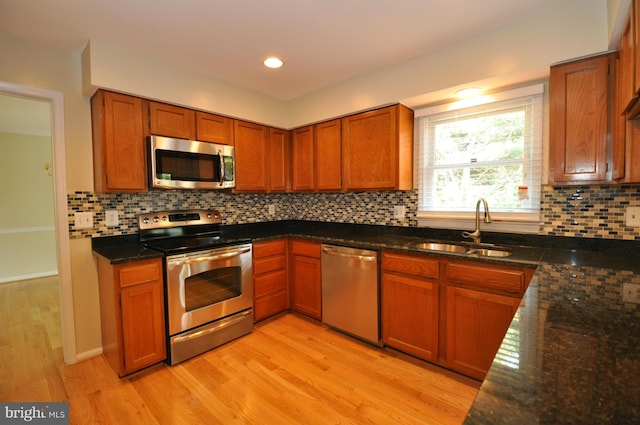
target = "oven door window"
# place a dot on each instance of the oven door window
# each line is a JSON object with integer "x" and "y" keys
{"x": 212, "y": 287}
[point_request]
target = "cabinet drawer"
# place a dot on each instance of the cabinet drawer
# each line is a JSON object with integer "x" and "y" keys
{"x": 490, "y": 277}
{"x": 309, "y": 249}
{"x": 270, "y": 305}
{"x": 265, "y": 265}
{"x": 409, "y": 264}
{"x": 270, "y": 282}
{"x": 140, "y": 273}
{"x": 266, "y": 249}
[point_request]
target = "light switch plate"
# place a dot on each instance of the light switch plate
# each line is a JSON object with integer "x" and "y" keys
{"x": 632, "y": 216}
{"x": 399, "y": 212}
{"x": 111, "y": 218}
{"x": 83, "y": 220}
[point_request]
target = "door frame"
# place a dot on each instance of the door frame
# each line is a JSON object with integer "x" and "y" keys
{"x": 56, "y": 100}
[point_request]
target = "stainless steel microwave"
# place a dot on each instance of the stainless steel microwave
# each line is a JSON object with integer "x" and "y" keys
{"x": 189, "y": 164}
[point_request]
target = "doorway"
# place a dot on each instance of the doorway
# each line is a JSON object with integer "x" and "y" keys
{"x": 58, "y": 170}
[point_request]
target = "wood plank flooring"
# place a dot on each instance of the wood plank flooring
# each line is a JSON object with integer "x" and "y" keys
{"x": 289, "y": 370}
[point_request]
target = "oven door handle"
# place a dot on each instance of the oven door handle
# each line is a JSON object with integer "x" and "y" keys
{"x": 210, "y": 257}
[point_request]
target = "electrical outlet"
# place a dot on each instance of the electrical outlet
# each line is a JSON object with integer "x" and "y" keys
{"x": 83, "y": 220}
{"x": 399, "y": 212}
{"x": 272, "y": 209}
{"x": 631, "y": 293}
{"x": 632, "y": 215}
{"x": 111, "y": 218}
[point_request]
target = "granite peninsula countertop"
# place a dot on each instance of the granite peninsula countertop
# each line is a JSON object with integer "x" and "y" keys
{"x": 572, "y": 352}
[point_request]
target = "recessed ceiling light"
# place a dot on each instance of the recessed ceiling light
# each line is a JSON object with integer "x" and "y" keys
{"x": 468, "y": 92}
{"x": 273, "y": 62}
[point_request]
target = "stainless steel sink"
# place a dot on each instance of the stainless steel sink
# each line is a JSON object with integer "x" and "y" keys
{"x": 444, "y": 247}
{"x": 489, "y": 252}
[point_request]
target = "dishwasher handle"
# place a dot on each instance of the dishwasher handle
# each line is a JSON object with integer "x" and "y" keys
{"x": 333, "y": 252}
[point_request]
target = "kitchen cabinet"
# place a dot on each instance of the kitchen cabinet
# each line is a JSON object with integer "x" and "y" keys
{"x": 377, "y": 149}
{"x": 305, "y": 278}
{"x": 119, "y": 150}
{"x": 581, "y": 104}
{"x": 410, "y": 294}
{"x": 327, "y": 161}
{"x": 251, "y": 154}
{"x": 171, "y": 121}
{"x": 132, "y": 314}
{"x": 481, "y": 300}
{"x": 316, "y": 157}
{"x": 278, "y": 153}
{"x": 302, "y": 159}
{"x": 261, "y": 155}
{"x": 214, "y": 128}
{"x": 271, "y": 295}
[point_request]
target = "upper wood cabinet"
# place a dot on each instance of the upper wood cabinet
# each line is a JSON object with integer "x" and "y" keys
{"x": 171, "y": 121}
{"x": 328, "y": 155}
{"x": 377, "y": 149}
{"x": 119, "y": 151}
{"x": 580, "y": 97}
{"x": 278, "y": 154}
{"x": 261, "y": 155}
{"x": 302, "y": 159}
{"x": 251, "y": 154}
{"x": 214, "y": 128}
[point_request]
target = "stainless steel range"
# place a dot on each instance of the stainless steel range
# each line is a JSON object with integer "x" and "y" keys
{"x": 208, "y": 280}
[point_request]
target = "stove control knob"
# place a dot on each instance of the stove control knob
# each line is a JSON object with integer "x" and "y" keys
{"x": 164, "y": 218}
{"x": 156, "y": 219}
{"x": 145, "y": 220}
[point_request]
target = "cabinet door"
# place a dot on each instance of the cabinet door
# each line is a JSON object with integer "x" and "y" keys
{"x": 627, "y": 84}
{"x": 306, "y": 284}
{"x": 328, "y": 156}
{"x": 302, "y": 162}
{"x": 172, "y": 121}
{"x": 369, "y": 149}
{"x": 410, "y": 315}
{"x": 119, "y": 152}
{"x": 476, "y": 325}
{"x": 251, "y": 152}
{"x": 214, "y": 128}
{"x": 278, "y": 154}
{"x": 579, "y": 105}
{"x": 143, "y": 333}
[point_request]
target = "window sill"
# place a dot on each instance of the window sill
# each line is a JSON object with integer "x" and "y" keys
{"x": 502, "y": 222}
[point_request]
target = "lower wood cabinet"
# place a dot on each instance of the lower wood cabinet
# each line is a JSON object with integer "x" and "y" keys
{"x": 410, "y": 304}
{"x": 132, "y": 314}
{"x": 454, "y": 313}
{"x": 305, "y": 278}
{"x": 476, "y": 325}
{"x": 271, "y": 294}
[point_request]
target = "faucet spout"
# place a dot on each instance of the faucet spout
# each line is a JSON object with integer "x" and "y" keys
{"x": 475, "y": 235}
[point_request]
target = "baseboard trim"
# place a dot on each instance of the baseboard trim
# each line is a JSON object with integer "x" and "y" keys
{"x": 88, "y": 354}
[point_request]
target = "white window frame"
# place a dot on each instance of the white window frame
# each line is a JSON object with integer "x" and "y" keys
{"x": 516, "y": 222}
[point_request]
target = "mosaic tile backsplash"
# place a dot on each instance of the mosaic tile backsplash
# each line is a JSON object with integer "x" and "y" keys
{"x": 586, "y": 211}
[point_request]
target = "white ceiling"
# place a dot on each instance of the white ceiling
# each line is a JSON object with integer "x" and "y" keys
{"x": 323, "y": 42}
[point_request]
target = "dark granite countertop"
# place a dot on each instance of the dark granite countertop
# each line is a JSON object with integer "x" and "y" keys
{"x": 573, "y": 349}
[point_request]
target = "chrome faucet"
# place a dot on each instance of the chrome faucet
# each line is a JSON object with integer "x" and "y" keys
{"x": 475, "y": 235}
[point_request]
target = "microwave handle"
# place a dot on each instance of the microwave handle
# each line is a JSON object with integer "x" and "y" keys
{"x": 221, "y": 167}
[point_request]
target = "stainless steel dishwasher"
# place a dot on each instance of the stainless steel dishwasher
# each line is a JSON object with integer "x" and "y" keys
{"x": 350, "y": 291}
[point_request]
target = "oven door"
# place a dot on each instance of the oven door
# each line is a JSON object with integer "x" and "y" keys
{"x": 208, "y": 285}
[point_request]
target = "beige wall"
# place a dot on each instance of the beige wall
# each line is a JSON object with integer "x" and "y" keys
{"x": 517, "y": 50}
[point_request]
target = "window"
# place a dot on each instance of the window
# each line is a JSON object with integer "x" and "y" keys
{"x": 491, "y": 151}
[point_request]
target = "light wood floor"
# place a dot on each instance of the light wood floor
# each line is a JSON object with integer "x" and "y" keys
{"x": 289, "y": 370}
